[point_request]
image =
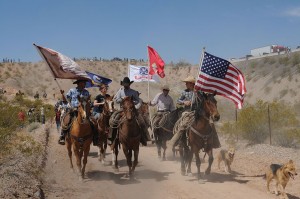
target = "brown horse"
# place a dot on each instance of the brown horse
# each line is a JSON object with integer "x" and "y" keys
{"x": 103, "y": 126}
{"x": 200, "y": 133}
{"x": 80, "y": 137}
{"x": 129, "y": 135}
{"x": 163, "y": 130}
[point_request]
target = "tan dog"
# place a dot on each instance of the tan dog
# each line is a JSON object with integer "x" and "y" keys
{"x": 282, "y": 174}
{"x": 227, "y": 157}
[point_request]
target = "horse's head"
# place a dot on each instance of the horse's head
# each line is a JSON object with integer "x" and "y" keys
{"x": 210, "y": 106}
{"x": 144, "y": 109}
{"x": 84, "y": 108}
{"x": 128, "y": 108}
{"x": 109, "y": 105}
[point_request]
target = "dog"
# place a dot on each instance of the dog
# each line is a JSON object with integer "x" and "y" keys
{"x": 282, "y": 174}
{"x": 227, "y": 157}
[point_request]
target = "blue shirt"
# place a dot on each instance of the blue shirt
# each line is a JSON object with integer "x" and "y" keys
{"x": 74, "y": 93}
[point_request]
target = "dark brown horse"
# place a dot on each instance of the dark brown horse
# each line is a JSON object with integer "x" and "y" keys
{"x": 129, "y": 135}
{"x": 80, "y": 137}
{"x": 200, "y": 133}
{"x": 163, "y": 130}
{"x": 103, "y": 126}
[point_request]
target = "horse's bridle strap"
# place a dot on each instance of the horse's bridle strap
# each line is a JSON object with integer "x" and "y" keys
{"x": 199, "y": 134}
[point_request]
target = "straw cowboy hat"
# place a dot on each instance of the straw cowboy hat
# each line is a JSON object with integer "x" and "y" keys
{"x": 190, "y": 79}
{"x": 126, "y": 80}
{"x": 165, "y": 87}
{"x": 80, "y": 80}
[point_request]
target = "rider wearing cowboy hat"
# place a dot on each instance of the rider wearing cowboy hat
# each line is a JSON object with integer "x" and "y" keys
{"x": 186, "y": 99}
{"x": 123, "y": 92}
{"x": 72, "y": 97}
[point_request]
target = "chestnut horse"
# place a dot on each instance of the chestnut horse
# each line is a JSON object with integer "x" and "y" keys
{"x": 200, "y": 133}
{"x": 80, "y": 137}
{"x": 103, "y": 126}
{"x": 129, "y": 135}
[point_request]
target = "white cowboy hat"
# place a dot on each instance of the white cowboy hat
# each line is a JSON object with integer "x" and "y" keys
{"x": 165, "y": 87}
{"x": 190, "y": 79}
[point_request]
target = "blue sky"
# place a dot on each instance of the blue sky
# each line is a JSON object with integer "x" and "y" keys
{"x": 177, "y": 29}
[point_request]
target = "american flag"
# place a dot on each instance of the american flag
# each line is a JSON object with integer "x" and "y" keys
{"x": 220, "y": 75}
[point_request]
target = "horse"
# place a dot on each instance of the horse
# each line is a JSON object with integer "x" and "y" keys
{"x": 103, "y": 126}
{"x": 200, "y": 134}
{"x": 163, "y": 130}
{"x": 80, "y": 137}
{"x": 129, "y": 135}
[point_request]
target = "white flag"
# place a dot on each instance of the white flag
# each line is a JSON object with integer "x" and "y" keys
{"x": 140, "y": 74}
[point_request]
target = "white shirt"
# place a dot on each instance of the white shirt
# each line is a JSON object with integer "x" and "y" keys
{"x": 163, "y": 102}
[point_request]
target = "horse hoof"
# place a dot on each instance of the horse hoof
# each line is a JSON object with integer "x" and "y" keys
{"x": 190, "y": 174}
{"x": 201, "y": 181}
{"x": 183, "y": 173}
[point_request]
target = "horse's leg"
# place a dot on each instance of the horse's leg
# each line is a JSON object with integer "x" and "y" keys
{"x": 78, "y": 159}
{"x": 189, "y": 162}
{"x": 86, "y": 151}
{"x": 116, "y": 152}
{"x": 128, "y": 155}
{"x": 136, "y": 159}
{"x": 164, "y": 146}
{"x": 69, "y": 148}
{"x": 198, "y": 163}
{"x": 158, "y": 143}
{"x": 210, "y": 161}
{"x": 182, "y": 159}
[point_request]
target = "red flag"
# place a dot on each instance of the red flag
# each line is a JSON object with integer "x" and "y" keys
{"x": 61, "y": 66}
{"x": 220, "y": 75}
{"x": 157, "y": 65}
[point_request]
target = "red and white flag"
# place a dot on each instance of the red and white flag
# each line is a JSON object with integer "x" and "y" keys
{"x": 220, "y": 75}
{"x": 61, "y": 66}
{"x": 157, "y": 65}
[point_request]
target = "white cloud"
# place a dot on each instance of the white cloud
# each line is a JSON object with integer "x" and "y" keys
{"x": 295, "y": 12}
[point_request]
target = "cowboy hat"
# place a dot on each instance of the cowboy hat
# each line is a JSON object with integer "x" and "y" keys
{"x": 126, "y": 80}
{"x": 165, "y": 87}
{"x": 190, "y": 79}
{"x": 80, "y": 80}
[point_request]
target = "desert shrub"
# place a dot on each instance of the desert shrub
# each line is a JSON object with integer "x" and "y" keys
{"x": 32, "y": 126}
{"x": 282, "y": 93}
{"x": 182, "y": 63}
{"x": 267, "y": 89}
{"x": 288, "y": 137}
{"x": 253, "y": 120}
{"x": 284, "y": 61}
{"x": 295, "y": 59}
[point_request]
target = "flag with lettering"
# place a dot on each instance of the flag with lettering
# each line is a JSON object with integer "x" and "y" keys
{"x": 157, "y": 65}
{"x": 140, "y": 74}
{"x": 61, "y": 66}
{"x": 220, "y": 75}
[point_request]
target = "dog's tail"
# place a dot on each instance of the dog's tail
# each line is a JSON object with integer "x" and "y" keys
{"x": 254, "y": 176}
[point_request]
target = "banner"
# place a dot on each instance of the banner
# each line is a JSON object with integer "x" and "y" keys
{"x": 61, "y": 66}
{"x": 157, "y": 65}
{"x": 96, "y": 80}
{"x": 140, "y": 74}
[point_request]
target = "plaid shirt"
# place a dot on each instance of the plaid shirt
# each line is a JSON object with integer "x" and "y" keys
{"x": 186, "y": 95}
{"x": 73, "y": 93}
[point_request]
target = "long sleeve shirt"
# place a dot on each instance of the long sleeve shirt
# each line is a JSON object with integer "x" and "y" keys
{"x": 163, "y": 102}
{"x": 186, "y": 95}
{"x": 122, "y": 92}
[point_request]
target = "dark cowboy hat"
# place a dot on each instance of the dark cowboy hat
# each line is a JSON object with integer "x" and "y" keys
{"x": 80, "y": 80}
{"x": 126, "y": 80}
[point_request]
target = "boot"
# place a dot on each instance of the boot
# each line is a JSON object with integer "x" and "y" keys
{"x": 61, "y": 140}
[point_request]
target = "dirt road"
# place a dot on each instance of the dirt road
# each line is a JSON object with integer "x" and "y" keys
{"x": 153, "y": 179}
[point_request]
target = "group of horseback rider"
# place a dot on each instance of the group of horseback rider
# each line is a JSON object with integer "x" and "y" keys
{"x": 162, "y": 100}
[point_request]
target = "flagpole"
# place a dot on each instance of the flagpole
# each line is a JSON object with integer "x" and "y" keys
{"x": 200, "y": 65}
{"x": 149, "y": 89}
